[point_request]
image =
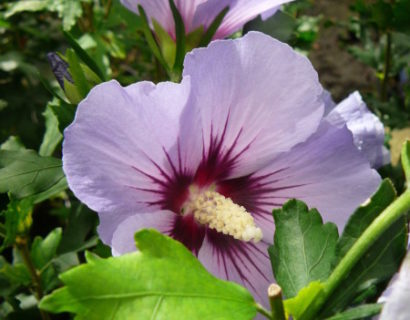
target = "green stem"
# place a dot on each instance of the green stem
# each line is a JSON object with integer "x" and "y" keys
{"x": 276, "y": 302}
{"x": 263, "y": 311}
{"x": 393, "y": 212}
{"x": 25, "y": 254}
{"x": 387, "y": 62}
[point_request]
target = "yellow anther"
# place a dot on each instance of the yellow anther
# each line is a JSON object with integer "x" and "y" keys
{"x": 222, "y": 214}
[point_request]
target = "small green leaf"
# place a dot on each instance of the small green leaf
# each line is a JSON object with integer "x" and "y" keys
{"x": 77, "y": 73}
{"x": 52, "y": 136}
{"x": 64, "y": 112}
{"x": 13, "y": 143}
{"x": 150, "y": 38}
{"x": 405, "y": 161}
{"x": 364, "y": 216}
{"x": 26, "y": 5}
{"x": 303, "y": 247}
{"x": 180, "y": 37}
{"x": 84, "y": 56}
{"x": 161, "y": 281}
{"x": 166, "y": 43}
{"x": 361, "y": 312}
{"x": 43, "y": 250}
{"x": 24, "y": 173}
{"x": 307, "y": 296}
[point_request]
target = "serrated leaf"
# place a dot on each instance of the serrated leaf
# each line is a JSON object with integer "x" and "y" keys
{"x": 161, "y": 281}
{"x": 364, "y": 216}
{"x": 52, "y": 136}
{"x": 24, "y": 173}
{"x": 43, "y": 250}
{"x": 397, "y": 306}
{"x": 303, "y": 249}
{"x": 299, "y": 305}
{"x": 361, "y": 312}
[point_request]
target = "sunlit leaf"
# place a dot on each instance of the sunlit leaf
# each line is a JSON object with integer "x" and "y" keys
{"x": 163, "y": 280}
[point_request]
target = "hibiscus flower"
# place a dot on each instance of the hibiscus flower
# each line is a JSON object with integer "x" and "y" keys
{"x": 206, "y": 160}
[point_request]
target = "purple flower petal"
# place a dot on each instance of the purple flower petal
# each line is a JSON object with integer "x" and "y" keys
{"x": 123, "y": 238}
{"x": 245, "y": 263}
{"x": 326, "y": 171}
{"x": 197, "y": 13}
{"x": 367, "y": 129}
{"x": 242, "y": 11}
{"x": 123, "y": 146}
{"x": 245, "y": 91}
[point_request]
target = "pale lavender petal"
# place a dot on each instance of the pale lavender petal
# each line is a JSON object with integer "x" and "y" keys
{"x": 367, "y": 129}
{"x": 327, "y": 172}
{"x": 246, "y": 263}
{"x": 257, "y": 98}
{"x": 397, "y": 306}
{"x": 123, "y": 149}
{"x": 242, "y": 11}
{"x": 123, "y": 237}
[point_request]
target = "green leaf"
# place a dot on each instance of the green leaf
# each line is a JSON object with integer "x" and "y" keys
{"x": 364, "y": 216}
{"x": 150, "y": 38}
{"x": 80, "y": 222}
{"x": 361, "y": 312}
{"x": 405, "y": 161}
{"x": 12, "y": 143}
{"x": 84, "y": 56}
{"x": 52, "y": 136}
{"x": 64, "y": 112}
{"x": 12, "y": 276}
{"x": 24, "y": 173}
{"x": 77, "y": 73}
{"x": 161, "y": 281}
{"x": 180, "y": 37}
{"x": 303, "y": 247}
{"x": 300, "y": 304}
{"x": 43, "y": 250}
{"x": 166, "y": 43}
{"x": 213, "y": 27}
{"x": 379, "y": 263}
{"x": 397, "y": 305}
{"x": 17, "y": 220}
{"x": 26, "y": 5}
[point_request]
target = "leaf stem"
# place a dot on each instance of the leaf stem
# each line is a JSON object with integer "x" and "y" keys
{"x": 22, "y": 246}
{"x": 263, "y": 311}
{"x": 369, "y": 236}
{"x": 387, "y": 62}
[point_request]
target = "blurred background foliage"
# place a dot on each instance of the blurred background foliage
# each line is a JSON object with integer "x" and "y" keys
{"x": 354, "y": 44}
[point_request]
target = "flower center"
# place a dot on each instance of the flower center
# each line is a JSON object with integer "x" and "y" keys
{"x": 220, "y": 213}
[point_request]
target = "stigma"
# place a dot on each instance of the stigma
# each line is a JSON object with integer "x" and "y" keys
{"x": 220, "y": 213}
